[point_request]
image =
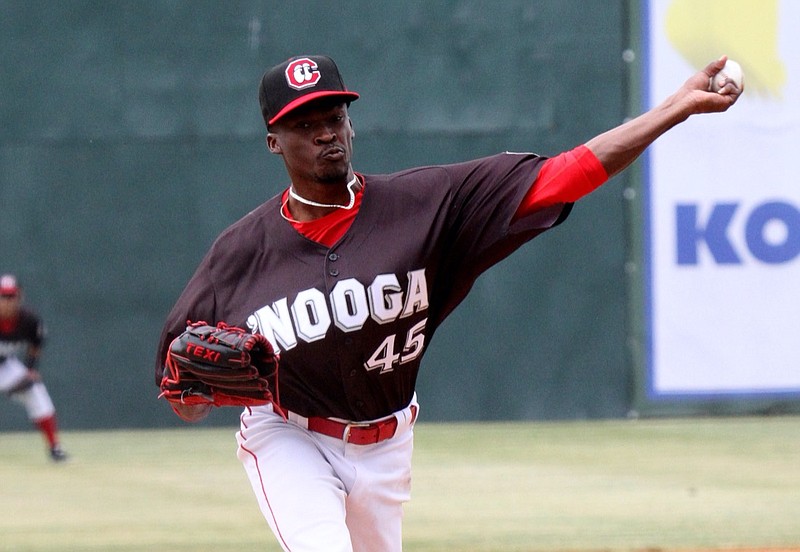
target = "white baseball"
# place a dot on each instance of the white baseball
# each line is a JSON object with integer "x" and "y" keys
{"x": 732, "y": 71}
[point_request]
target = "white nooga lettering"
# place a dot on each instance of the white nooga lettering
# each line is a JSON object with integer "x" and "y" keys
{"x": 311, "y": 316}
{"x": 385, "y": 298}
{"x": 274, "y": 323}
{"x": 349, "y": 305}
{"x": 349, "y": 302}
{"x": 417, "y": 294}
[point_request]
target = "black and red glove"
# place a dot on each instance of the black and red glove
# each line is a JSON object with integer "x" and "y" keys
{"x": 219, "y": 365}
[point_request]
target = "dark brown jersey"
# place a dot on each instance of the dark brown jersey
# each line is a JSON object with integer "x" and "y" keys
{"x": 18, "y": 336}
{"x": 352, "y": 322}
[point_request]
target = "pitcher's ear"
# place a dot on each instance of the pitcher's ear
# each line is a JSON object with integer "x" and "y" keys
{"x": 272, "y": 144}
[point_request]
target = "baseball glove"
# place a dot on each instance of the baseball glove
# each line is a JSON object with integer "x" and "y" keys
{"x": 220, "y": 365}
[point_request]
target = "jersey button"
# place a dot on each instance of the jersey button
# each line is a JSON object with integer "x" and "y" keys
{"x": 334, "y": 272}
{"x": 353, "y": 373}
{"x": 333, "y": 257}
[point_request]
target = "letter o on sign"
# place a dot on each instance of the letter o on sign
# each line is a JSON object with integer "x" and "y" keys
{"x": 768, "y": 251}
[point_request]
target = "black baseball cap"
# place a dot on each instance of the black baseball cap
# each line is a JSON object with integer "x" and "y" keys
{"x": 297, "y": 81}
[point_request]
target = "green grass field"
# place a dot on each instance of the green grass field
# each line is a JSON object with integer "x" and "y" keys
{"x": 647, "y": 485}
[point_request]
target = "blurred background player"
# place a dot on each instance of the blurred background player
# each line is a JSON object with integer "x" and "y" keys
{"x": 21, "y": 338}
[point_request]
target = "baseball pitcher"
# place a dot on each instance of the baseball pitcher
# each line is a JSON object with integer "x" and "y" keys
{"x": 342, "y": 280}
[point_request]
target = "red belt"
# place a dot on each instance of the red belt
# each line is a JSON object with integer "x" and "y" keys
{"x": 358, "y": 433}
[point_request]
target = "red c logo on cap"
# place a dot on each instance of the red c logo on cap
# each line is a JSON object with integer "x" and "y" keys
{"x": 302, "y": 73}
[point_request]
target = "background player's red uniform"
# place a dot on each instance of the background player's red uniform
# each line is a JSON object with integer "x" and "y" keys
{"x": 22, "y": 334}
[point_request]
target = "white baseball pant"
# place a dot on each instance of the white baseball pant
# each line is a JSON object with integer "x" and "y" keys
{"x": 322, "y": 494}
{"x": 34, "y": 398}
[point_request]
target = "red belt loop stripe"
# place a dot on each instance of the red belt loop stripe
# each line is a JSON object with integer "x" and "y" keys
{"x": 358, "y": 433}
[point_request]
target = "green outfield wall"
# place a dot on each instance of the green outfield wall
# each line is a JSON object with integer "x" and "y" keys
{"x": 131, "y": 136}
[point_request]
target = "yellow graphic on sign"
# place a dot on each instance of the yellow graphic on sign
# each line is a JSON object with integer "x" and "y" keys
{"x": 744, "y": 30}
